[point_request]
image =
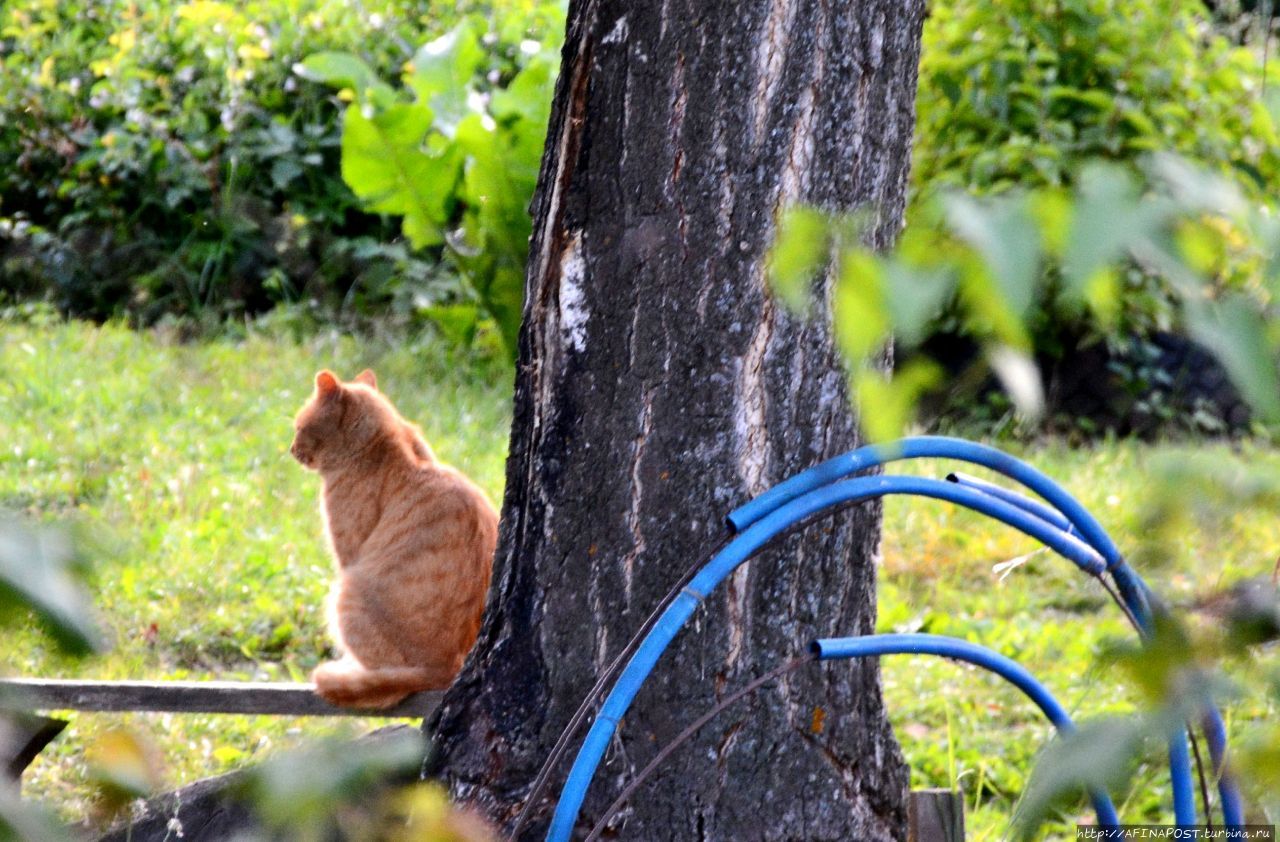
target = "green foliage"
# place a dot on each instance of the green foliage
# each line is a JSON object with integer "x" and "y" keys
{"x": 1020, "y": 92}
{"x": 1024, "y": 94}
{"x": 942, "y": 573}
{"x": 299, "y": 794}
{"x": 455, "y": 153}
{"x": 984, "y": 258}
{"x": 345, "y": 789}
{"x": 163, "y": 158}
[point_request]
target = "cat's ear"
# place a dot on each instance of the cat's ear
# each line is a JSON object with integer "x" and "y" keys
{"x": 326, "y": 383}
{"x": 367, "y": 378}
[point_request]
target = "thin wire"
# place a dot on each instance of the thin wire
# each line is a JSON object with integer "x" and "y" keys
{"x": 684, "y": 735}
{"x": 1115, "y": 597}
{"x": 592, "y": 698}
{"x": 1204, "y": 784}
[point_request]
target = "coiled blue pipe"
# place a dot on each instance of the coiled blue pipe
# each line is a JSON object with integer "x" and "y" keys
{"x": 1135, "y": 593}
{"x": 747, "y": 543}
{"x": 872, "y": 456}
{"x": 875, "y": 645}
{"x": 1131, "y": 587}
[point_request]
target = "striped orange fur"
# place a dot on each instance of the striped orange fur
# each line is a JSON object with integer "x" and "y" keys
{"x": 413, "y": 540}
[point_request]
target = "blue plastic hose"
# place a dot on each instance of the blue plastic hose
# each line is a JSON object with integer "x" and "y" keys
{"x": 779, "y": 501}
{"x": 762, "y": 530}
{"x": 875, "y": 645}
{"x": 1179, "y": 756}
{"x": 1133, "y": 591}
{"x": 872, "y": 456}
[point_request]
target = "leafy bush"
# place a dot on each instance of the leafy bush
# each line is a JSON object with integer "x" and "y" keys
{"x": 986, "y": 256}
{"x": 455, "y": 153}
{"x": 1023, "y": 93}
{"x": 165, "y": 159}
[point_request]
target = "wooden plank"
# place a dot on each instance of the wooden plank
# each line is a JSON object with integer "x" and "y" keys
{"x": 250, "y": 697}
{"x": 935, "y": 815}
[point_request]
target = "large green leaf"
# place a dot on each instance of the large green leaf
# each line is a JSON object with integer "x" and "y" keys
{"x": 799, "y": 251}
{"x": 458, "y": 322}
{"x": 505, "y": 299}
{"x": 385, "y": 163}
{"x": 496, "y": 201}
{"x": 441, "y": 72}
{"x": 529, "y": 94}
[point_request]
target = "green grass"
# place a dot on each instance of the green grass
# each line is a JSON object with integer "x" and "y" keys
{"x": 212, "y": 564}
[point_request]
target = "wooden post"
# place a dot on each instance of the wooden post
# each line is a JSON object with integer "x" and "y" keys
{"x": 22, "y": 737}
{"x": 935, "y": 815}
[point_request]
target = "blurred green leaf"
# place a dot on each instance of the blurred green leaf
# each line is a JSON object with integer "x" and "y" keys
{"x": 1052, "y": 210}
{"x": 302, "y": 790}
{"x": 39, "y": 570}
{"x": 1101, "y": 753}
{"x": 886, "y": 403}
{"x": 1159, "y": 664}
{"x": 429, "y": 817}
{"x": 915, "y": 298}
{"x": 22, "y": 821}
{"x": 859, "y": 308}
{"x": 123, "y": 768}
{"x": 1108, "y": 221}
{"x": 345, "y": 70}
{"x": 1005, "y": 234}
{"x": 1195, "y": 188}
{"x": 800, "y": 249}
{"x": 1236, "y": 333}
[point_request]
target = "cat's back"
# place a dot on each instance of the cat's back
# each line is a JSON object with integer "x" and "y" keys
{"x": 448, "y": 511}
{"x": 467, "y": 504}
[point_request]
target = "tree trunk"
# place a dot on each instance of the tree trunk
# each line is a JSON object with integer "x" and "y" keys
{"x": 658, "y": 387}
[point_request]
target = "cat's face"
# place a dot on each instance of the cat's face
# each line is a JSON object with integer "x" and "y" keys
{"x": 338, "y": 420}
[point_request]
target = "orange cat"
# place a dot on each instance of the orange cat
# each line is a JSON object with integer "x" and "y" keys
{"x": 414, "y": 543}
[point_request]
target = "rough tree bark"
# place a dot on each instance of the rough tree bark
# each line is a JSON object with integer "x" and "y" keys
{"x": 659, "y": 386}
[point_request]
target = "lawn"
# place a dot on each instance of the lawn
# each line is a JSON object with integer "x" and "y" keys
{"x": 210, "y": 562}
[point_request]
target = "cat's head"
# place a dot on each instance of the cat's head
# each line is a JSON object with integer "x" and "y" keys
{"x": 341, "y": 420}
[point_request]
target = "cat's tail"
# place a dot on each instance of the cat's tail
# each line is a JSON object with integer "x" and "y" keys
{"x": 348, "y": 684}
